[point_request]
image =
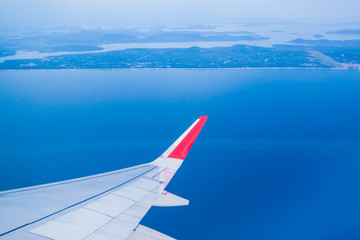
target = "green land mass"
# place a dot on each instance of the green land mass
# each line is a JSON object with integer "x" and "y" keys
{"x": 300, "y": 53}
{"x": 238, "y": 56}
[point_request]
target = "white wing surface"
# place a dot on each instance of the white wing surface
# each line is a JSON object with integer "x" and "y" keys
{"x": 104, "y": 206}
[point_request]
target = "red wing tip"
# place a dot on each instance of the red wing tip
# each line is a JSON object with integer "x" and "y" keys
{"x": 183, "y": 147}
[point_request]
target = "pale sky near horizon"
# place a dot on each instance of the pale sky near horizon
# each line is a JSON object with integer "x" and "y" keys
{"x": 51, "y": 13}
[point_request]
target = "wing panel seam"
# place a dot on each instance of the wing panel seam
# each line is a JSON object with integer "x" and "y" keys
{"x": 52, "y": 214}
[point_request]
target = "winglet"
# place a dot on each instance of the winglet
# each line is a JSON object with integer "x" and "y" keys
{"x": 174, "y": 156}
{"x": 180, "y": 148}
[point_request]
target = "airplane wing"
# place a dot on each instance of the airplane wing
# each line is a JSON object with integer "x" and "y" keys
{"x": 104, "y": 206}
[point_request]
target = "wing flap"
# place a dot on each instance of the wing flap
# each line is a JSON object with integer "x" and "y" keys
{"x": 75, "y": 225}
{"x": 111, "y": 205}
{"x": 145, "y": 233}
{"x": 167, "y": 199}
{"x": 131, "y": 192}
{"x": 109, "y": 217}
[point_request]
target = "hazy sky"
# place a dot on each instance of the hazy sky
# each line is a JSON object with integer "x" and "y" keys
{"x": 49, "y": 13}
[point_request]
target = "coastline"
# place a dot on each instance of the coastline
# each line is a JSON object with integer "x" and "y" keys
{"x": 238, "y": 68}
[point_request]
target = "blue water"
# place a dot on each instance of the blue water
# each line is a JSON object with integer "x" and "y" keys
{"x": 279, "y": 157}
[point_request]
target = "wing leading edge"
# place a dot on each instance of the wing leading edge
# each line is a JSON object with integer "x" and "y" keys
{"x": 103, "y": 206}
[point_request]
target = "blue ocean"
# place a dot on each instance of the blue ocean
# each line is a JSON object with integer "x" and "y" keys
{"x": 279, "y": 157}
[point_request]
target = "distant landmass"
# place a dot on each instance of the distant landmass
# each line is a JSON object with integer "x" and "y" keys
{"x": 327, "y": 43}
{"x": 74, "y": 48}
{"x": 88, "y": 40}
{"x": 343, "y": 52}
{"x": 345, "y": 31}
{"x": 195, "y": 27}
{"x": 318, "y": 36}
{"x": 238, "y": 56}
{"x": 6, "y": 52}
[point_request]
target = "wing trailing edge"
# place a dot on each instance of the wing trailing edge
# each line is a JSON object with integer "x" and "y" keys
{"x": 167, "y": 199}
{"x": 145, "y": 233}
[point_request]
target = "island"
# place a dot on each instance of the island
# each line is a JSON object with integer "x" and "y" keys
{"x": 84, "y": 49}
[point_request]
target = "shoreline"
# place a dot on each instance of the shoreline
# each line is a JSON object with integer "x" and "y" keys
{"x": 239, "y": 68}
{"x": 110, "y": 47}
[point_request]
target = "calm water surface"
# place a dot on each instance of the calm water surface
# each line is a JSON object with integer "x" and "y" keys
{"x": 279, "y": 157}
